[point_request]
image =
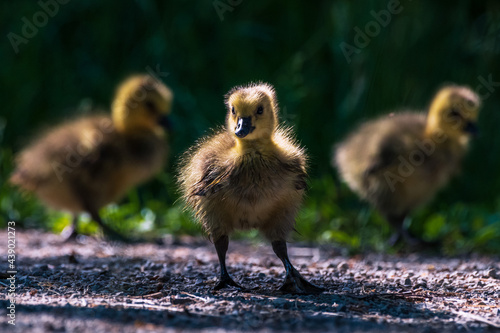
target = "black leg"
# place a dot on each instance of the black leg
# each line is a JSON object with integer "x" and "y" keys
{"x": 394, "y": 239}
{"x": 69, "y": 233}
{"x": 411, "y": 240}
{"x": 110, "y": 233}
{"x": 221, "y": 246}
{"x": 294, "y": 282}
{"x": 90, "y": 207}
{"x": 402, "y": 233}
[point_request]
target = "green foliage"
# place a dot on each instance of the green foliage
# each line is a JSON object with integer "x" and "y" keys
{"x": 73, "y": 63}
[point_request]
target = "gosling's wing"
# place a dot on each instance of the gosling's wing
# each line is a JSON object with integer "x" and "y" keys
{"x": 212, "y": 180}
{"x": 394, "y": 137}
{"x": 203, "y": 170}
{"x": 105, "y": 158}
{"x": 385, "y": 157}
{"x": 93, "y": 157}
{"x": 115, "y": 163}
{"x": 297, "y": 167}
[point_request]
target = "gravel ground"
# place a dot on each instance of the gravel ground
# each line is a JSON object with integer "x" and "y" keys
{"x": 103, "y": 287}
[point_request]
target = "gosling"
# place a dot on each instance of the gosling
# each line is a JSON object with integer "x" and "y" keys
{"x": 398, "y": 162}
{"x": 250, "y": 175}
{"x": 85, "y": 164}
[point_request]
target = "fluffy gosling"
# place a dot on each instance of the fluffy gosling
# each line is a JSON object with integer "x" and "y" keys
{"x": 84, "y": 164}
{"x": 398, "y": 162}
{"x": 250, "y": 175}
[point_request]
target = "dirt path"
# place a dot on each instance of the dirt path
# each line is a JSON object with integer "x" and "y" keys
{"x": 102, "y": 287}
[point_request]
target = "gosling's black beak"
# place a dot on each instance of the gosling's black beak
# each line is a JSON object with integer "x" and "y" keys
{"x": 244, "y": 127}
{"x": 471, "y": 128}
{"x": 164, "y": 121}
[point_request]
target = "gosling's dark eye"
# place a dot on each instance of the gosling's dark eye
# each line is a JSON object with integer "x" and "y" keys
{"x": 260, "y": 109}
{"x": 454, "y": 113}
{"x": 470, "y": 103}
{"x": 150, "y": 106}
{"x": 232, "y": 110}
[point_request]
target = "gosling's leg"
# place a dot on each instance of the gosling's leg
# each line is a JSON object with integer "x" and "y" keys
{"x": 92, "y": 208}
{"x": 294, "y": 282}
{"x": 110, "y": 233}
{"x": 402, "y": 233}
{"x": 70, "y": 233}
{"x": 221, "y": 246}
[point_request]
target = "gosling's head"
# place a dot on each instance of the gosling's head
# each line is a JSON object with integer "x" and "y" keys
{"x": 454, "y": 111}
{"x": 252, "y": 111}
{"x": 142, "y": 103}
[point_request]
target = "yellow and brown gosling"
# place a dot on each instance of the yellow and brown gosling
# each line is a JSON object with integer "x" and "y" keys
{"x": 398, "y": 162}
{"x": 84, "y": 164}
{"x": 250, "y": 175}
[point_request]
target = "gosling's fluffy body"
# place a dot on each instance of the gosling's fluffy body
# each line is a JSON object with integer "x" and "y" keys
{"x": 234, "y": 184}
{"x": 87, "y": 163}
{"x": 87, "y": 157}
{"x": 398, "y": 162}
{"x": 259, "y": 189}
{"x": 362, "y": 162}
{"x": 252, "y": 174}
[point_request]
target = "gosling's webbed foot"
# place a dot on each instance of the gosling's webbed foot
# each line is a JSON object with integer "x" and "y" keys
{"x": 296, "y": 284}
{"x": 228, "y": 282}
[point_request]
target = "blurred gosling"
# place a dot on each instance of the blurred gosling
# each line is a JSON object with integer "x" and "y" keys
{"x": 250, "y": 175}
{"x": 398, "y": 162}
{"x": 84, "y": 164}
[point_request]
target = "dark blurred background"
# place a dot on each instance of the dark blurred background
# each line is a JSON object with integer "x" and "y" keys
{"x": 69, "y": 61}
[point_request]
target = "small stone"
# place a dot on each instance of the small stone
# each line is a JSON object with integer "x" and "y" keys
{"x": 492, "y": 273}
{"x": 408, "y": 282}
{"x": 180, "y": 300}
{"x": 343, "y": 266}
{"x": 43, "y": 267}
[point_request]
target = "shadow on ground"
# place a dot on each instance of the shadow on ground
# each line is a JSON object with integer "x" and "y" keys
{"x": 104, "y": 287}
